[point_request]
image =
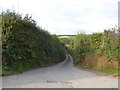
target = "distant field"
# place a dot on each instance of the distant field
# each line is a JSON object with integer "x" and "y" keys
{"x": 65, "y": 36}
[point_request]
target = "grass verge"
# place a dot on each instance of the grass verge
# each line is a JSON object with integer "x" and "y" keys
{"x": 19, "y": 69}
{"x": 102, "y": 69}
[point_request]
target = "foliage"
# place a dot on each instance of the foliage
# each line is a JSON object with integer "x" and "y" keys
{"x": 68, "y": 43}
{"x": 24, "y": 43}
{"x": 81, "y": 47}
{"x": 105, "y": 44}
{"x": 111, "y": 44}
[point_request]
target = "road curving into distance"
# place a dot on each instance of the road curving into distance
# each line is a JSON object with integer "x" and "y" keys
{"x": 62, "y": 75}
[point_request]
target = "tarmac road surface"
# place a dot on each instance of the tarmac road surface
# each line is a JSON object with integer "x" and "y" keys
{"x": 62, "y": 75}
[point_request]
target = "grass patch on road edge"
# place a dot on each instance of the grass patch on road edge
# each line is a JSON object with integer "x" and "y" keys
{"x": 13, "y": 71}
{"x": 21, "y": 68}
{"x": 108, "y": 70}
{"x": 102, "y": 69}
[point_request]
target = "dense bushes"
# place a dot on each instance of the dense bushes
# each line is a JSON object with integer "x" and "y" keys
{"x": 98, "y": 51}
{"x": 102, "y": 44}
{"x": 81, "y": 47}
{"x": 26, "y": 44}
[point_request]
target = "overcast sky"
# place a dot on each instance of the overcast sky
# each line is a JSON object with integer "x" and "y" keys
{"x": 68, "y": 16}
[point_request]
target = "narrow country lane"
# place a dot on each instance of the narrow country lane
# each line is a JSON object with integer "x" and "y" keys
{"x": 62, "y": 75}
